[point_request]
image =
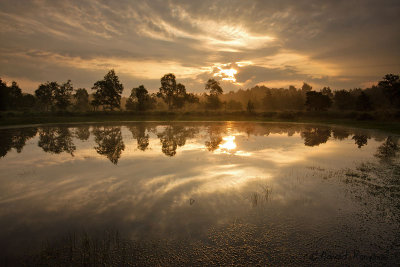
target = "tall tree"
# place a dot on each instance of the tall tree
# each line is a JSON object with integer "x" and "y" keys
{"x": 108, "y": 91}
{"x": 63, "y": 94}
{"x": 10, "y": 96}
{"x": 139, "y": 99}
{"x": 46, "y": 94}
{"x": 215, "y": 89}
{"x": 4, "y": 95}
{"x": 168, "y": 89}
{"x": 15, "y": 95}
{"x": 306, "y": 87}
{"x": 391, "y": 87}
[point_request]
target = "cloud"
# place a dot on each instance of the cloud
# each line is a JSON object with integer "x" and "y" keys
{"x": 340, "y": 43}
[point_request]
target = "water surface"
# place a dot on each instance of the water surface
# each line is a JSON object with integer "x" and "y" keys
{"x": 205, "y": 192}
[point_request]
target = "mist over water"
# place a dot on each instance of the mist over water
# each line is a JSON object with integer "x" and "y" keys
{"x": 269, "y": 192}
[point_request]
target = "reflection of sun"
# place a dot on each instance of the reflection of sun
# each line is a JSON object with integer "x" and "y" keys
{"x": 229, "y": 143}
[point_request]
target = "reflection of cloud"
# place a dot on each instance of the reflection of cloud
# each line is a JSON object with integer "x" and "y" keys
{"x": 149, "y": 193}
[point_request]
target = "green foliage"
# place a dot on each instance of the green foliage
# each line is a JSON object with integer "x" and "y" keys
{"x": 108, "y": 92}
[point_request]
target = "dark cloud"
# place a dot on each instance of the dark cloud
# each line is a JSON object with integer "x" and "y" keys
{"x": 337, "y": 43}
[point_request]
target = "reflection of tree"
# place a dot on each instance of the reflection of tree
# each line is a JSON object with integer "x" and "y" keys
{"x": 56, "y": 140}
{"x": 315, "y": 136}
{"x": 10, "y": 138}
{"x": 388, "y": 150}
{"x": 215, "y": 138}
{"x": 360, "y": 140}
{"x": 82, "y": 133}
{"x": 139, "y": 132}
{"x": 174, "y": 136}
{"x": 109, "y": 142}
{"x": 340, "y": 134}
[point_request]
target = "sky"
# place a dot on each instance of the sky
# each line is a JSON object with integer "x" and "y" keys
{"x": 241, "y": 43}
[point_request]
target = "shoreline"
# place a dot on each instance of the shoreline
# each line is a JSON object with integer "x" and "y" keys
{"x": 29, "y": 120}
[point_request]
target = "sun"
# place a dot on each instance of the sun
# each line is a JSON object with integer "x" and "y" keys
{"x": 226, "y": 74}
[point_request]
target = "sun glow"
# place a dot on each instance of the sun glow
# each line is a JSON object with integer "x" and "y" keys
{"x": 226, "y": 74}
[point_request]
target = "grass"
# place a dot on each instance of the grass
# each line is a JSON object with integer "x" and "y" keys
{"x": 387, "y": 121}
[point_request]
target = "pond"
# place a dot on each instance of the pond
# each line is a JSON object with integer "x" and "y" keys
{"x": 199, "y": 193}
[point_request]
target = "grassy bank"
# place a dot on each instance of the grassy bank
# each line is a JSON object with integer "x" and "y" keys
{"x": 387, "y": 121}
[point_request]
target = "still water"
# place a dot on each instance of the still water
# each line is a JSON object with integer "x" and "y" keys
{"x": 205, "y": 193}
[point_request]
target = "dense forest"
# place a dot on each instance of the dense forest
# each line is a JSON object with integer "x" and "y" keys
{"x": 106, "y": 95}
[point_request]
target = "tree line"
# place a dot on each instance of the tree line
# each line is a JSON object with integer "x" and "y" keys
{"x": 107, "y": 95}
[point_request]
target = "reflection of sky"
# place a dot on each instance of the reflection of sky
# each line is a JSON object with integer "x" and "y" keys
{"x": 150, "y": 192}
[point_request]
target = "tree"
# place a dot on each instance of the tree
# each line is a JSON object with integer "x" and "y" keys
{"x": 306, "y": 87}
{"x": 327, "y": 91}
{"x": 10, "y": 96}
{"x": 63, "y": 94}
{"x": 391, "y": 87}
{"x": 168, "y": 89}
{"x": 250, "y": 107}
{"x": 15, "y": 94}
{"x": 215, "y": 89}
{"x": 363, "y": 102}
{"x": 81, "y": 99}
{"x": 4, "y": 95}
{"x": 108, "y": 91}
{"x": 139, "y": 99}
{"x": 27, "y": 101}
{"x": 343, "y": 100}
{"x": 46, "y": 93}
{"x": 180, "y": 96}
{"x": 234, "y": 105}
{"x": 174, "y": 94}
{"x": 317, "y": 101}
